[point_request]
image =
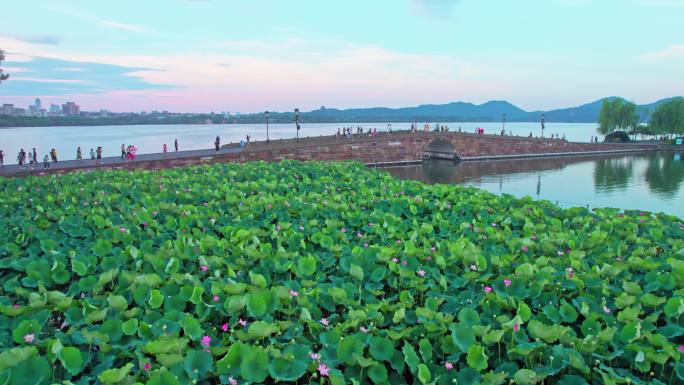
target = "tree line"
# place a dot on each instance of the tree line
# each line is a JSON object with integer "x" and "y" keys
{"x": 621, "y": 115}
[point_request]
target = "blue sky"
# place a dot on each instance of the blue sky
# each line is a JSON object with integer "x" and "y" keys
{"x": 247, "y": 56}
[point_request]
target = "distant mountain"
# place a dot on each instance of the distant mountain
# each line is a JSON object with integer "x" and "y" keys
{"x": 462, "y": 111}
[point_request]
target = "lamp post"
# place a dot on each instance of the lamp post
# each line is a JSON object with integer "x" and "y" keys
{"x": 542, "y": 124}
{"x": 296, "y": 119}
{"x": 503, "y": 125}
{"x": 267, "y": 139}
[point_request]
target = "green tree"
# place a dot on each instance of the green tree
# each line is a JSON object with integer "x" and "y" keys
{"x": 668, "y": 118}
{"x": 3, "y": 76}
{"x": 617, "y": 115}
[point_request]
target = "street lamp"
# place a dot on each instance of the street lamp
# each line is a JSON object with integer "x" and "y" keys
{"x": 296, "y": 119}
{"x": 267, "y": 140}
{"x": 503, "y": 126}
{"x": 542, "y": 124}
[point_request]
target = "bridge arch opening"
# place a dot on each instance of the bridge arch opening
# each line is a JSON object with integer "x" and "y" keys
{"x": 440, "y": 148}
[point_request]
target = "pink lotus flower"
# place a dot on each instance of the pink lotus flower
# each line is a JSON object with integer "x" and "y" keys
{"x": 301, "y": 228}
{"x": 395, "y": 260}
{"x": 232, "y": 381}
{"x": 493, "y": 224}
{"x": 277, "y": 227}
{"x": 571, "y": 272}
{"x": 270, "y": 206}
{"x": 216, "y": 298}
{"x": 365, "y": 245}
{"x": 122, "y": 229}
{"x": 147, "y": 366}
{"x": 398, "y": 241}
{"x": 344, "y": 230}
{"x": 242, "y": 322}
{"x": 206, "y": 341}
{"x": 533, "y": 237}
{"x": 359, "y": 235}
{"x": 433, "y": 248}
{"x": 421, "y": 272}
{"x": 525, "y": 248}
{"x": 516, "y": 327}
{"x": 606, "y": 309}
{"x": 681, "y": 348}
{"x": 449, "y": 366}
{"x": 370, "y": 224}
{"x": 323, "y": 369}
{"x": 154, "y": 213}
{"x": 473, "y": 267}
{"x": 16, "y": 306}
{"x": 324, "y": 321}
{"x": 29, "y": 338}
{"x": 404, "y": 262}
{"x": 204, "y": 268}
{"x": 224, "y": 327}
{"x": 315, "y": 356}
{"x": 487, "y": 289}
{"x": 294, "y": 293}
{"x": 363, "y": 329}
{"x": 560, "y": 253}
{"x": 507, "y": 282}
{"x": 206, "y": 204}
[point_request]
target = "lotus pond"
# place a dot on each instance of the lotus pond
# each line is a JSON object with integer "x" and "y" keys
{"x": 328, "y": 273}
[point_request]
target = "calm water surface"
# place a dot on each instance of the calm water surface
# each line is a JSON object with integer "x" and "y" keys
{"x": 150, "y": 139}
{"x": 648, "y": 181}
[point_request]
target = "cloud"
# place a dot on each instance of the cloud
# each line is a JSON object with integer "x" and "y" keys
{"x": 122, "y": 26}
{"x": 129, "y": 27}
{"x": 40, "y": 39}
{"x": 50, "y": 76}
{"x": 436, "y": 8}
{"x": 672, "y": 51}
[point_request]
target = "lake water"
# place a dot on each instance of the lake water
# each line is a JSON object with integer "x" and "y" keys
{"x": 647, "y": 181}
{"x": 150, "y": 138}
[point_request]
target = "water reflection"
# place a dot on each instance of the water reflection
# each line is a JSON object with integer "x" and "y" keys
{"x": 612, "y": 174}
{"x": 648, "y": 181}
{"x": 664, "y": 175}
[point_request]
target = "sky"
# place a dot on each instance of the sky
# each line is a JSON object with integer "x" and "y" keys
{"x": 257, "y": 55}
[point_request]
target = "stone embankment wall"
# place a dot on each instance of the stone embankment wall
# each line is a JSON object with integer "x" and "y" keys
{"x": 388, "y": 149}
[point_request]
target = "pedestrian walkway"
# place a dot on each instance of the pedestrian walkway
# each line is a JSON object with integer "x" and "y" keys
{"x": 15, "y": 169}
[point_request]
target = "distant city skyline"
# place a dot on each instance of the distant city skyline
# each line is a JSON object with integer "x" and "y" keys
{"x": 211, "y": 55}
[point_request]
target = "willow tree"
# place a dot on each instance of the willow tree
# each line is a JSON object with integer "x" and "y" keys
{"x": 617, "y": 115}
{"x": 668, "y": 118}
{"x": 3, "y": 76}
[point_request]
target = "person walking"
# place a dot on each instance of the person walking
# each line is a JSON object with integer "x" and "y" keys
{"x": 123, "y": 152}
{"x": 53, "y": 154}
{"x": 79, "y": 154}
{"x": 31, "y": 159}
{"x": 35, "y": 155}
{"x": 20, "y": 160}
{"x": 217, "y": 143}
{"x": 164, "y": 148}
{"x": 175, "y": 144}
{"x": 2, "y": 159}
{"x": 46, "y": 161}
{"x": 92, "y": 154}
{"x": 99, "y": 155}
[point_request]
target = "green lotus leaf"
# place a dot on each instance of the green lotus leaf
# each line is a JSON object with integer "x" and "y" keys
{"x": 410, "y": 357}
{"x": 424, "y": 374}
{"x": 130, "y": 327}
{"x": 259, "y": 330}
{"x": 197, "y": 364}
{"x": 378, "y": 373}
{"x": 526, "y": 377}
{"x": 114, "y": 376}
{"x": 156, "y": 299}
{"x": 72, "y": 359}
{"x": 462, "y": 336}
{"x": 32, "y": 371}
{"x": 11, "y": 357}
{"x": 163, "y": 377}
{"x": 476, "y": 357}
{"x": 192, "y": 327}
{"x": 254, "y": 365}
{"x": 381, "y": 348}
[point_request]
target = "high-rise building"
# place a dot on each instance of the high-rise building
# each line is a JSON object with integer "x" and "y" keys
{"x": 70, "y": 109}
{"x": 7, "y": 109}
{"x": 38, "y": 104}
{"x": 55, "y": 109}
